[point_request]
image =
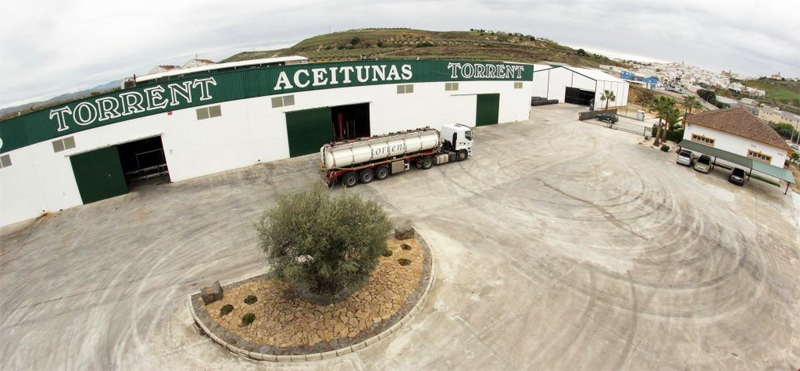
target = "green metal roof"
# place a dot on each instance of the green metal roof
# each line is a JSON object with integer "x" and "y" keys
{"x": 758, "y": 166}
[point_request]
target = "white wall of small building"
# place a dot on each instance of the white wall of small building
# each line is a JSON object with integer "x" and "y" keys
{"x": 249, "y": 131}
{"x": 736, "y": 144}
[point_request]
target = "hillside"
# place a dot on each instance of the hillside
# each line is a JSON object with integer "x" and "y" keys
{"x": 9, "y": 112}
{"x": 411, "y": 44}
{"x": 784, "y": 94}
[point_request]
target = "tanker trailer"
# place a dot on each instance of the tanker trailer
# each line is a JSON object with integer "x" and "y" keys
{"x": 366, "y": 159}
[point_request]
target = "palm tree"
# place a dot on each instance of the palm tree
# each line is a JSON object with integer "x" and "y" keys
{"x": 608, "y": 96}
{"x": 671, "y": 118}
{"x": 661, "y": 106}
{"x": 689, "y": 104}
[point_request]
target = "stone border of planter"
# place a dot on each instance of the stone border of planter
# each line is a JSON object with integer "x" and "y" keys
{"x": 236, "y": 345}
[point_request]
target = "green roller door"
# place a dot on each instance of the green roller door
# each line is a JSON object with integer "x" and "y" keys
{"x": 99, "y": 174}
{"x": 488, "y": 109}
{"x": 308, "y": 130}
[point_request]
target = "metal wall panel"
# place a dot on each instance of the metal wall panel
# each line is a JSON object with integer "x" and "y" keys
{"x": 488, "y": 109}
{"x": 99, "y": 174}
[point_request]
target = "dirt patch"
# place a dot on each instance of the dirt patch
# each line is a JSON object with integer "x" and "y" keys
{"x": 286, "y": 324}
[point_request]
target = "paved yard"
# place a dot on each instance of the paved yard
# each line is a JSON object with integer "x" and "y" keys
{"x": 560, "y": 245}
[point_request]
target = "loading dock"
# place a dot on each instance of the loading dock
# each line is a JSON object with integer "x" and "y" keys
{"x": 578, "y": 96}
{"x": 143, "y": 159}
{"x": 350, "y": 121}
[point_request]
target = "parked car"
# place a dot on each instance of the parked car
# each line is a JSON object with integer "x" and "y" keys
{"x": 685, "y": 157}
{"x": 737, "y": 176}
{"x": 795, "y": 147}
{"x": 607, "y": 117}
{"x": 703, "y": 164}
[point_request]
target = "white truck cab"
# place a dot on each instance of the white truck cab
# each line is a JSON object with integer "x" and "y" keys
{"x": 457, "y": 137}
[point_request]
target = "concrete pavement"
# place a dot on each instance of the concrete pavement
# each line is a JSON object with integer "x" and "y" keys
{"x": 559, "y": 245}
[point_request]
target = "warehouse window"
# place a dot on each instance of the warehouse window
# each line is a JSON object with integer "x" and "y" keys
{"x": 518, "y": 85}
{"x": 5, "y": 161}
{"x": 63, "y": 144}
{"x": 449, "y": 86}
{"x": 209, "y": 112}
{"x": 759, "y": 156}
{"x": 703, "y": 139}
{"x": 286, "y": 100}
{"x": 405, "y": 89}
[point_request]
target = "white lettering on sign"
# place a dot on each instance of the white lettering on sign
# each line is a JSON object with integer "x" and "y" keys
{"x": 331, "y": 76}
{"x": 132, "y": 102}
{"x": 484, "y": 71}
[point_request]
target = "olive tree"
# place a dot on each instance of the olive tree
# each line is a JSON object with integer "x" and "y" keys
{"x": 323, "y": 243}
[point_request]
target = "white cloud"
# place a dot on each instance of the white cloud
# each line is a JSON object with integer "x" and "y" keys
{"x": 53, "y": 46}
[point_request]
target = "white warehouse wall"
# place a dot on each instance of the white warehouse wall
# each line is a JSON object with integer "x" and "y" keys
{"x": 249, "y": 131}
{"x": 552, "y": 84}
{"x": 735, "y": 144}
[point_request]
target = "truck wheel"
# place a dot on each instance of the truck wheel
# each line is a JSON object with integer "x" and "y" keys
{"x": 350, "y": 180}
{"x": 367, "y": 175}
{"x": 462, "y": 155}
{"x": 426, "y": 163}
{"x": 382, "y": 172}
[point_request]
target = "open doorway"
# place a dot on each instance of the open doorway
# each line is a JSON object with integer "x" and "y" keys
{"x": 351, "y": 121}
{"x": 143, "y": 161}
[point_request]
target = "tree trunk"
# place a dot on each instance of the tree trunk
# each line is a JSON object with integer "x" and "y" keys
{"x": 606, "y": 105}
{"x": 658, "y": 134}
{"x": 664, "y": 138}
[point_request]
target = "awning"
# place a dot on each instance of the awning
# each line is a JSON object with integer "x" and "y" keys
{"x": 773, "y": 171}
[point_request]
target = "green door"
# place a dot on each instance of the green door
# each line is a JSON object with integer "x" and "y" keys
{"x": 99, "y": 174}
{"x": 308, "y": 130}
{"x": 488, "y": 109}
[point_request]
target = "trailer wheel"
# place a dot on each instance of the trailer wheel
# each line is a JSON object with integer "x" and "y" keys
{"x": 382, "y": 172}
{"x": 462, "y": 155}
{"x": 426, "y": 163}
{"x": 367, "y": 175}
{"x": 350, "y": 180}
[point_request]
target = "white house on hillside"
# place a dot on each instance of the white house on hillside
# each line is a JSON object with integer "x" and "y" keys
{"x": 162, "y": 69}
{"x": 197, "y": 63}
{"x": 736, "y": 130}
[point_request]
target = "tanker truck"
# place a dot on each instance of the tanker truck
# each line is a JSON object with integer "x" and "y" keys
{"x": 366, "y": 159}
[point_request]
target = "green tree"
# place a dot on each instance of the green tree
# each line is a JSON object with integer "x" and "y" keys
{"x": 322, "y": 243}
{"x": 690, "y": 104}
{"x": 661, "y": 106}
{"x": 608, "y": 96}
{"x": 355, "y": 41}
{"x": 582, "y": 52}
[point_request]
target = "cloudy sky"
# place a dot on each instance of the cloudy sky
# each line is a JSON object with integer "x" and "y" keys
{"x": 51, "y": 47}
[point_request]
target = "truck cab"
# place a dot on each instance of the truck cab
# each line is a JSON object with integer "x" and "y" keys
{"x": 458, "y": 138}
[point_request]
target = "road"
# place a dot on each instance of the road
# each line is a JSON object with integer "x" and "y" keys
{"x": 559, "y": 245}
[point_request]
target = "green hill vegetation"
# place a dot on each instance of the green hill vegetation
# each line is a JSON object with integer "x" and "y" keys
{"x": 403, "y": 43}
{"x": 784, "y": 94}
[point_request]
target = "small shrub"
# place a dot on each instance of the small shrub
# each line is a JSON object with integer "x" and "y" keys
{"x": 425, "y": 44}
{"x": 665, "y": 148}
{"x": 250, "y": 299}
{"x": 248, "y": 319}
{"x": 387, "y": 253}
{"x": 405, "y": 246}
{"x": 355, "y": 41}
{"x": 225, "y": 310}
{"x": 404, "y": 261}
{"x": 380, "y": 44}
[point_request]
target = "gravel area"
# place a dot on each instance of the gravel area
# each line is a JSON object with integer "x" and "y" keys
{"x": 286, "y": 324}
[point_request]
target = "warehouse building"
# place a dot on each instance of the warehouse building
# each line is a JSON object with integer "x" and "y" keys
{"x": 183, "y": 124}
{"x": 578, "y": 86}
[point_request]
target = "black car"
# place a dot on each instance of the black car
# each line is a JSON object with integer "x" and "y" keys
{"x": 737, "y": 176}
{"x": 607, "y": 117}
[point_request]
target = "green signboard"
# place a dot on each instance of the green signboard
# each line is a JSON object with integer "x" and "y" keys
{"x": 212, "y": 87}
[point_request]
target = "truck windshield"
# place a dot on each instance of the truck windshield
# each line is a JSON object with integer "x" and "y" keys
{"x": 468, "y": 134}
